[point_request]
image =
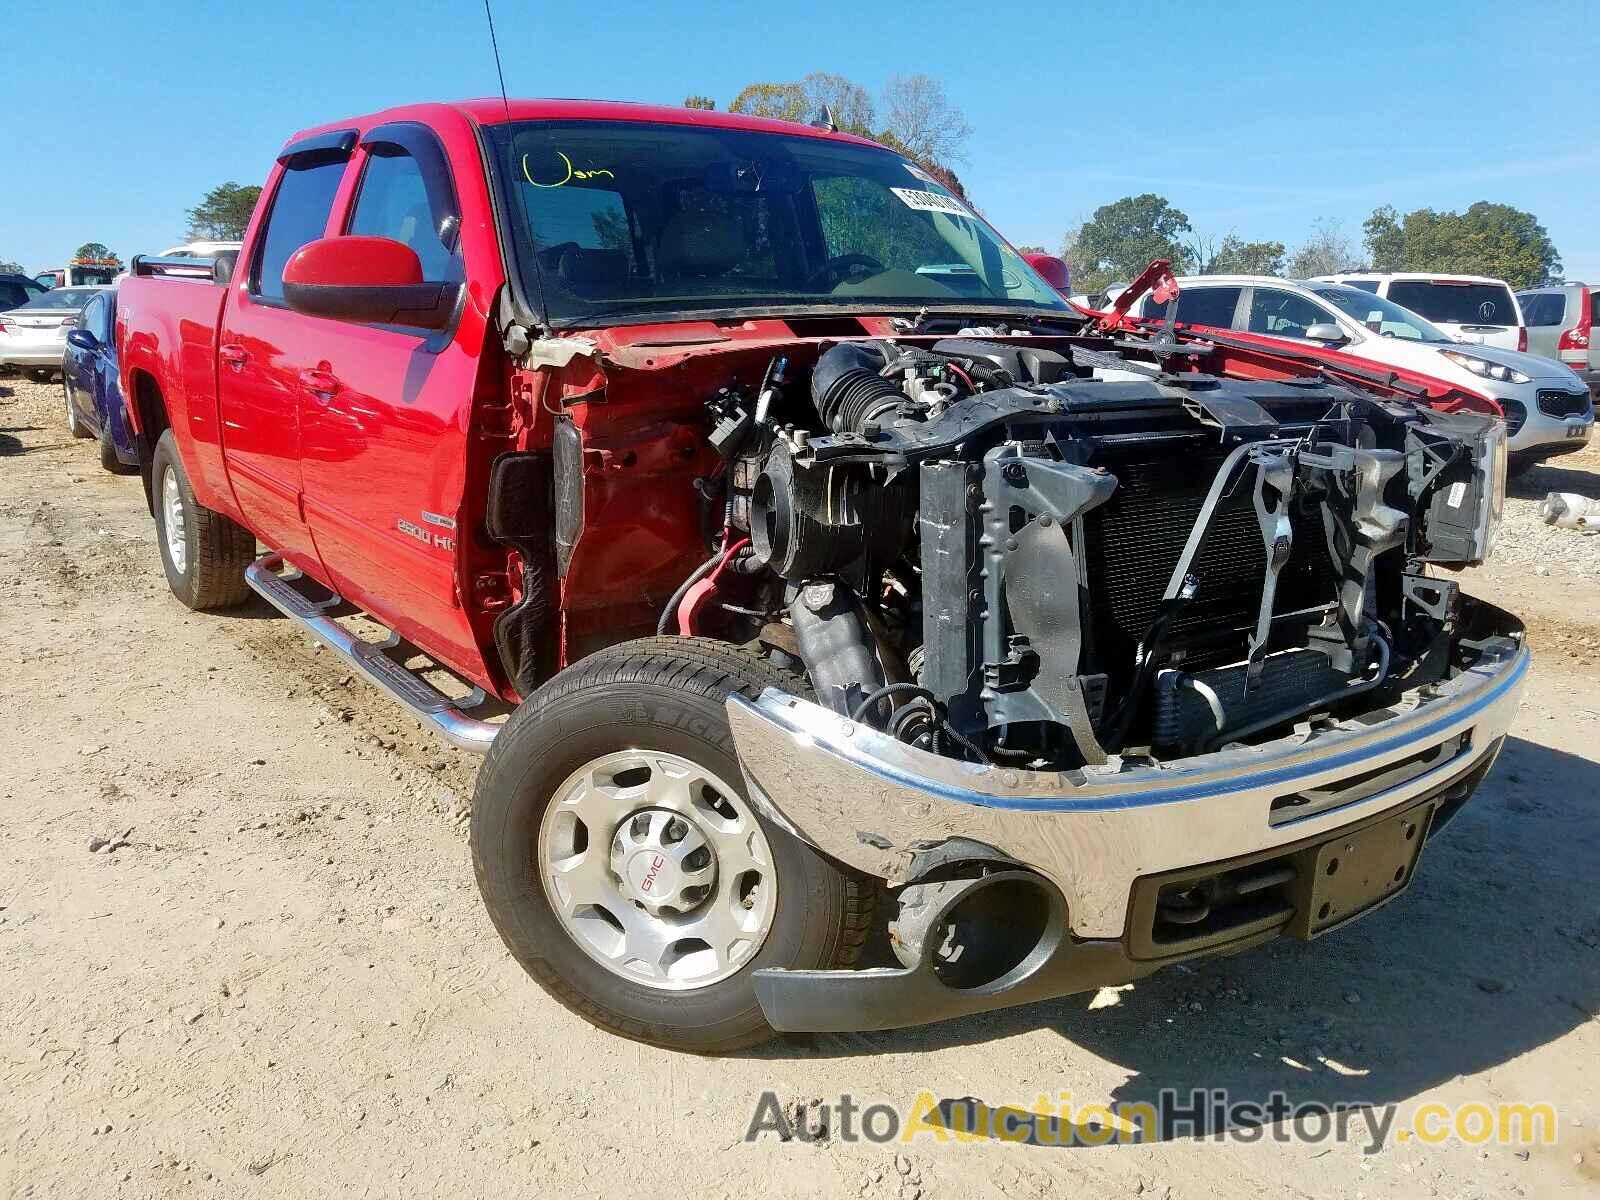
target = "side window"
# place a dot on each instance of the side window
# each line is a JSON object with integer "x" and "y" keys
{"x": 1365, "y": 285}
{"x": 89, "y": 318}
{"x": 12, "y": 294}
{"x": 1283, "y": 314}
{"x": 392, "y": 202}
{"x": 1543, "y": 308}
{"x": 300, "y": 209}
{"x": 107, "y": 323}
{"x": 1204, "y": 306}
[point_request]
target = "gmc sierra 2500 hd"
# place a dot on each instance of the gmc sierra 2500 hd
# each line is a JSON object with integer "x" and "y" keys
{"x": 834, "y": 568}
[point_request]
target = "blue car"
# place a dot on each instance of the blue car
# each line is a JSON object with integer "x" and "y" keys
{"x": 93, "y": 391}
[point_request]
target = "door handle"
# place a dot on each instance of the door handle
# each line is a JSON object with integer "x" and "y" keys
{"x": 320, "y": 384}
{"x": 234, "y": 356}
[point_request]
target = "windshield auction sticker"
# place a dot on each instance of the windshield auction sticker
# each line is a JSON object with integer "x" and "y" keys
{"x": 931, "y": 202}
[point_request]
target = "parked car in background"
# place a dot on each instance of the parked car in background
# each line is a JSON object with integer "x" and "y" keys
{"x": 82, "y": 272}
{"x": 1547, "y": 407}
{"x": 1053, "y": 270}
{"x": 201, "y": 249}
{"x": 1470, "y": 308}
{"x": 1561, "y": 323}
{"x": 92, "y": 389}
{"x": 33, "y": 335}
{"x": 216, "y": 259}
{"x": 18, "y": 289}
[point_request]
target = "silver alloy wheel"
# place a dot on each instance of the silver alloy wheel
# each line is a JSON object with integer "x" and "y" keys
{"x": 657, "y": 869}
{"x": 172, "y": 518}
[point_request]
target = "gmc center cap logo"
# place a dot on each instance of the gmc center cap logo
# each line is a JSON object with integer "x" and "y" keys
{"x": 651, "y": 874}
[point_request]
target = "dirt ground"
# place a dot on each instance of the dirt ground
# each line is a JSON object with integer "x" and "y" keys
{"x": 276, "y": 979}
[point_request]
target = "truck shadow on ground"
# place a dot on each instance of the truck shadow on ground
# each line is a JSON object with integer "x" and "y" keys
{"x": 1494, "y": 951}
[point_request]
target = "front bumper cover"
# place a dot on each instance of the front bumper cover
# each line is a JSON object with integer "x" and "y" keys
{"x": 895, "y": 812}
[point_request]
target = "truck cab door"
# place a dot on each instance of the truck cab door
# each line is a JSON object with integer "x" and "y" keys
{"x": 386, "y": 409}
{"x": 260, "y": 345}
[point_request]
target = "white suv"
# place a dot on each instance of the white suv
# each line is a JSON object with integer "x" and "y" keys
{"x": 1547, "y": 407}
{"x": 1470, "y": 308}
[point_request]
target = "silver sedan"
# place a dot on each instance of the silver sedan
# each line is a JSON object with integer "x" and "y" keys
{"x": 34, "y": 334}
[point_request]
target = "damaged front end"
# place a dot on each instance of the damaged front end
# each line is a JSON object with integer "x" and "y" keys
{"x": 1110, "y": 662}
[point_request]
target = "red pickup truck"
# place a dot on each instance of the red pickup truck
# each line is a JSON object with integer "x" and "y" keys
{"x": 807, "y": 566}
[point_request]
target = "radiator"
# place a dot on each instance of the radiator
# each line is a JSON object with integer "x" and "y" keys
{"x": 1133, "y": 541}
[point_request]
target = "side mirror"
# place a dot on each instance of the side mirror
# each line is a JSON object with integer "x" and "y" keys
{"x": 1326, "y": 331}
{"x": 1052, "y": 270}
{"x": 82, "y": 339}
{"x": 374, "y": 280}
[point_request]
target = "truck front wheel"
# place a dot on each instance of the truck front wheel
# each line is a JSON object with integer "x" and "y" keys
{"x": 623, "y": 866}
{"x": 203, "y": 552}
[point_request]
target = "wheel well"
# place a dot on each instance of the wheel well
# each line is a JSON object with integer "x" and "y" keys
{"x": 153, "y": 422}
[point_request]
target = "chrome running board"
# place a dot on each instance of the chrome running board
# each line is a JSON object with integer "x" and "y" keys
{"x": 372, "y": 659}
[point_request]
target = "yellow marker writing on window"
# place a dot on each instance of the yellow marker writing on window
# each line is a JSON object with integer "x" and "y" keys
{"x": 572, "y": 173}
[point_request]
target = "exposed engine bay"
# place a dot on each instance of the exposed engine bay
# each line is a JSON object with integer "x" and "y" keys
{"x": 1016, "y": 555}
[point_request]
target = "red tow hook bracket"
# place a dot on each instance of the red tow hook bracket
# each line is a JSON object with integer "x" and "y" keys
{"x": 699, "y": 596}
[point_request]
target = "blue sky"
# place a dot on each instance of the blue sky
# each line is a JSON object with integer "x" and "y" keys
{"x": 1252, "y": 118}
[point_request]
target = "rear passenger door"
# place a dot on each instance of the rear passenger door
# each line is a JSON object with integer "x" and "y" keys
{"x": 1214, "y": 306}
{"x": 262, "y": 345}
{"x": 381, "y": 448}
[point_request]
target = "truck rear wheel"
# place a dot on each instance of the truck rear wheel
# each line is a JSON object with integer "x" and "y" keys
{"x": 204, "y": 552}
{"x": 625, "y": 869}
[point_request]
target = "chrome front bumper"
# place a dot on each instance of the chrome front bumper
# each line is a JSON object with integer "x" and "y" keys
{"x": 893, "y": 811}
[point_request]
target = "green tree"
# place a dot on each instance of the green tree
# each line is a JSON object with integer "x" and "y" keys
{"x": 1235, "y": 256}
{"x": 1385, "y": 239}
{"x": 703, "y": 102}
{"x": 7, "y": 267}
{"x": 1325, "y": 252}
{"x": 778, "y": 101}
{"x": 98, "y": 251}
{"x": 223, "y": 212}
{"x": 1121, "y": 238}
{"x": 1487, "y": 239}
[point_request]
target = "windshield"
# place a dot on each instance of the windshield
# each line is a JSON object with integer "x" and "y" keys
{"x": 1379, "y": 315}
{"x": 1459, "y": 303}
{"x": 620, "y": 218}
{"x": 61, "y": 298}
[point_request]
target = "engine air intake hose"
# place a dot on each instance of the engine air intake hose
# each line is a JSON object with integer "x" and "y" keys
{"x": 848, "y": 389}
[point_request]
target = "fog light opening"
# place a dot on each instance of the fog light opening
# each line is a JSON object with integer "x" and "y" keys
{"x": 989, "y": 933}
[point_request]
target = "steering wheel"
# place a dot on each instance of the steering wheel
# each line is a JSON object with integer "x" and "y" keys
{"x": 840, "y": 268}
